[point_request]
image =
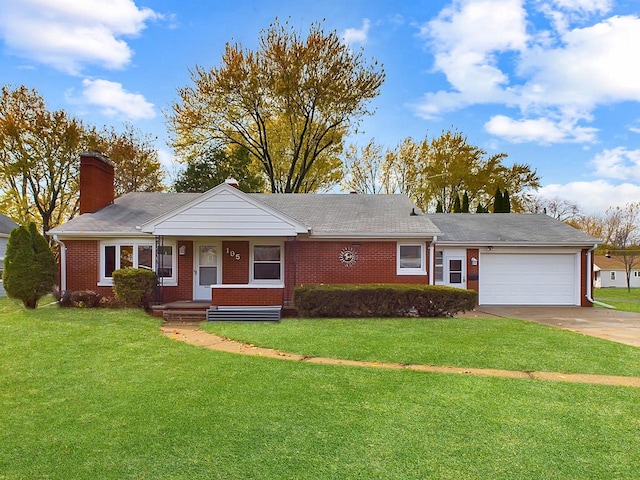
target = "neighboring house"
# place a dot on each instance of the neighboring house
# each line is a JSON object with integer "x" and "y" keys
{"x": 610, "y": 272}
{"x": 6, "y": 225}
{"x": 238, "y": 249}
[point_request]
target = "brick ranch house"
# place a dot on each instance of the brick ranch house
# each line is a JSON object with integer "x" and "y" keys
{"x": 236, "y": 249}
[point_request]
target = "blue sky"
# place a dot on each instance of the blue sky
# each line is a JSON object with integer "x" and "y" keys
{"x": 552, "y": 83}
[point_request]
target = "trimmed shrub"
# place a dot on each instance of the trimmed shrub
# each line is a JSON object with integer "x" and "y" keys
{"x": 382, "y": 300}
{"x": 134, "y": 287}
{"x": 30, "y": 269}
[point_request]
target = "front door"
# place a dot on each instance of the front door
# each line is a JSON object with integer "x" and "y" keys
{"x": 206, "y": 270}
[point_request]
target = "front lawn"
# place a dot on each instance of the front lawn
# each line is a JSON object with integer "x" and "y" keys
{"x": 628, "y": 301}
{"x": 88, "y": 394}
{"x": 462, "y": 342}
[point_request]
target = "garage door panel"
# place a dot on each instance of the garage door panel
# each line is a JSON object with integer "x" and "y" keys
{"x": 528, "y": 279}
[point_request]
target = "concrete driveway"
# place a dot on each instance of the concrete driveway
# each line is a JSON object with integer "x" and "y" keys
{"x": 623, "y": 327}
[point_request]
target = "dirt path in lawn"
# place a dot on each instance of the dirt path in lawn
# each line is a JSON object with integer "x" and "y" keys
{"x": 190, "y": 333}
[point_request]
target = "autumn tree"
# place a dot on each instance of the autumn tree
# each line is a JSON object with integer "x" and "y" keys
{"x": 290, "y": 103}
{"x": 555, "y": 206}
{"x": 435, "y": 172}
{"x": 215, "y": 166}
{"x": 138, "y": 168}
{"x": 364, "y": 169}
{"x": 39, "y": 153}
{"x": 622, "y": 235}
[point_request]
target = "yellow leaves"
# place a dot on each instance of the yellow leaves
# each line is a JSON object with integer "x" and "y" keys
{"x": 290, "y": 103}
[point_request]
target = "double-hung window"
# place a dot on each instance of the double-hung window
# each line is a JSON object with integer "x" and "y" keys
{"x": 411, "y": 259}
{"x": 115, "y": 255}
{"x": 267, "y": 265}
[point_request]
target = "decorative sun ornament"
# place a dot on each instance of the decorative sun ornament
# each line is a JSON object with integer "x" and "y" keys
{"x": 348, "y": 256}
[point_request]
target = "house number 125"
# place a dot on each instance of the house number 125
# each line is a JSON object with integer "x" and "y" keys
{"x": 233, "y": 254}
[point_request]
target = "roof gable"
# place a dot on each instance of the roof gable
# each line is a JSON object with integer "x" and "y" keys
{"x": 224, "y": 211}
{"x": 6, "y": 225}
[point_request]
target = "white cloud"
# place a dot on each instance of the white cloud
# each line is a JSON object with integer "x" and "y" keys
{"x": 466, "y": 51}
{"x": 351, "y": 36}
{"x": 113, "y": 100}
{"x": 618, "y": 163}
{"x": 167, "y": 159}
{"x": 563, "y": 13}
{"x": 592, "y": 66}
{"x": 68, "y": 34}
{"x": 541, "y": 130}
{"x": 594, "y": 197}
{"x": 491, "y": 54}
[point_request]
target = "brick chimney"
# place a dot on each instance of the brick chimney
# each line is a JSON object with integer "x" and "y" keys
{"x": 96, "y": 182}
{"x": 232, "y": 182}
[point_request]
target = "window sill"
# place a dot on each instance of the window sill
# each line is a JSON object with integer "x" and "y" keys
{"x": 411, "y": 272}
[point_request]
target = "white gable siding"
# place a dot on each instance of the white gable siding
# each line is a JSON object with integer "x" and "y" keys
{"x": 620, "y": 280}
{"x": 224, "y": 214}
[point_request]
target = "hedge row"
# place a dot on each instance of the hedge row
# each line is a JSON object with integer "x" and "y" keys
{"x": 382, "y": 300}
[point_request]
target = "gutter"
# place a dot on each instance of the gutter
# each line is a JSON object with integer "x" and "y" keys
{"x": 590, "y": 280}
{"x": 63, "y": 264}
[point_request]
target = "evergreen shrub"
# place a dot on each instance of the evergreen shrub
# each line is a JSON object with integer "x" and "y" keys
{"x": 381, "y": 300}
{"x": 30, "y": 269}
{"x": 134, "y": 287}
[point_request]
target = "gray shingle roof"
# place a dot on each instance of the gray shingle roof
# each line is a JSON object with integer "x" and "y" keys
{"x": 343, "y": 215}
{"x": 126, "y": 213}
{"x": 325, "y": 214}
{"x": 6, "y": 224}
{"x": 507, "y": 228}
{"x": 329, "y": 214}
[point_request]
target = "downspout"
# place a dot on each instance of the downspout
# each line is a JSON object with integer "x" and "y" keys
{"x": 63, "y": 264}
{"x": 589, "y": 270}
{"x": 432, "y": 260}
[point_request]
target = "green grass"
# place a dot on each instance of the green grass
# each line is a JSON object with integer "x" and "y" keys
{"x": 88, "y": 394}
{"x": 628, "y": 301}
{"x": 483, "y": 343}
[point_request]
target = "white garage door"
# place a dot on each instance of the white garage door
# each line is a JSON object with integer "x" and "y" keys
{"x": 534, "y": 279}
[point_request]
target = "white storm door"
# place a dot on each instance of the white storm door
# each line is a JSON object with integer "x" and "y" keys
{"x": 455, "y": 272}
{"x": 206, "y": 270}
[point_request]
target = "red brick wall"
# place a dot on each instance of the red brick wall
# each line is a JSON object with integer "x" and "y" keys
{"x": 83, "y": 263}
{"x": 96, "y": 184}
{"x": 319, "y": 262}
{"x": 246, "y": 296}
{"x": 235, "y": 271}
{"x": 184, "y": 290}
{"x": 472, "y": 270}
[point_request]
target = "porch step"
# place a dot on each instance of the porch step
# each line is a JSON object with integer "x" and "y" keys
{"x": 244, "y": 314}
{"x": 189, "y": 315}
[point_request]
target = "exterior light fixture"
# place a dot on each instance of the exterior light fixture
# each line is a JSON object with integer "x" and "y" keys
{"x": 182, "y": 250}
{"x": 474, "y": 261}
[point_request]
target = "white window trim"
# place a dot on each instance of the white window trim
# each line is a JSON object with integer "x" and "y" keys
{"x": 136, "y": 242}
{"x": 612, "y": 276}
{"x": 423, "y": 261}
{"x": 438, "y": 281}
{"x": 259, "y": 243}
